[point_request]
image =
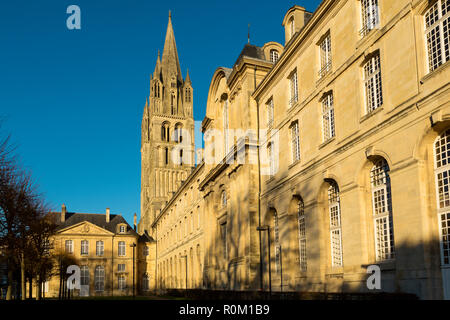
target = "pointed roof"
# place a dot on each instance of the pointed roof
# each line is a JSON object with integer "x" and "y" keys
{"x": 170, "y": 54}
{"x": 188, "y": 79}
{"x": 157, "y": 72}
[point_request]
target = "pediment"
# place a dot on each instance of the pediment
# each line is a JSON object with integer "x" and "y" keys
{"x": 85, "y": 227}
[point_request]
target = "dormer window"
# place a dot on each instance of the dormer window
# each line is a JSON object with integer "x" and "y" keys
{"x": 274, "y": 55}
{"x": 122, "y": 229}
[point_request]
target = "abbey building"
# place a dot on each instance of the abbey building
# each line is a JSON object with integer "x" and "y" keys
{"x": 322, "y": 156}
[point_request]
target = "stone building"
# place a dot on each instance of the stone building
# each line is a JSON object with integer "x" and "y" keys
{"x": 102, "y": 246}
{"x": 322, "y": 157}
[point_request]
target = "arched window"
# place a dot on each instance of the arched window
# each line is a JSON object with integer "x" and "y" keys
{"x": 145, "y": 282}
{"x": 301, "y": 234}
{"x": 442, "y": 176}
{"x": 274, "y": 55}
{"x": 382, "y": 211}
{"x": 99, "y": 278}
{"x": 178, "y": 132}
{"x": 334, "y": 209}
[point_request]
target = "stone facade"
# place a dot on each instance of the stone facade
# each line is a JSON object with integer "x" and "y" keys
{"x": 350, "y": 119}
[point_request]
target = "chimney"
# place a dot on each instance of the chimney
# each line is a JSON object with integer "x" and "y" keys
{"x": 135, "y": 221}
{"x": 63, "y": 213}
{"x": 107, "y": 215}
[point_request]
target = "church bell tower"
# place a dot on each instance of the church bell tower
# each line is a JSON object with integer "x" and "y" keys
{"x": 167, "y": 142}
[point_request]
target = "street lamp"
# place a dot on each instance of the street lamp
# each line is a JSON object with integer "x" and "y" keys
{"x": 185, "y": 256}
{"x": 267, "y": 228}
{"x": 133, "y": 245}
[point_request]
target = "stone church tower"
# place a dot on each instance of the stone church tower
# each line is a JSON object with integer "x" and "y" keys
{"x": 167, "y": 142}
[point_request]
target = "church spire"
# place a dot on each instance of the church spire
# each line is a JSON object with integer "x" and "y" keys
{"x": 156, "y": 73}
{"x": 170, "y": 63}
{"x": 188, "y": 78}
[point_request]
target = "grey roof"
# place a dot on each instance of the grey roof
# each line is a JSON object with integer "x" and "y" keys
{"x": 251, "y": 51}
{"x": 145, "y": 237}
{"x": 98, "y": 219}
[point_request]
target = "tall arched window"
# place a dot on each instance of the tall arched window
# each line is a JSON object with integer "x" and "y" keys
{"x": 382, "y": 211}
{"x": 334, "y": 209}
{"x": 99, "y": 278}
{"x": 301, "y": 234}
{"x": 442, "y": 173}
{"x": 292, "y": 27}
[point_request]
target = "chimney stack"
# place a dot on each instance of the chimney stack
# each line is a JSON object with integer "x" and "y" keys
{"x": 135, "y": 221}
{"x": 107, "y": 215}
{"x": 63, "y": 213}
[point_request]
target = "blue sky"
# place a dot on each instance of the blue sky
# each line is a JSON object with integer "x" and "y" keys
{"x": 72, "y": 100}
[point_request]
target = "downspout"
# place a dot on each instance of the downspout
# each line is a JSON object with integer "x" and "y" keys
{"x": 259, "y": 188}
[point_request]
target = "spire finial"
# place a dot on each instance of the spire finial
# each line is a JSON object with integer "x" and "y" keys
{"x": 170, "y": 14}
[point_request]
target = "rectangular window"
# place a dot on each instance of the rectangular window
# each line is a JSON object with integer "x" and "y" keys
{"x": 121, "y": 267}
{"x": 372, "y": 83}
{"x": 122, "y": 285}
{"x": 84, "y": 247}
{"x": 270, "y": 109}
{"x": 146, "y": 251}
{"x": 121, "y": 251}
{"x": 369, "y": 16}
{"x": 84, "y": 275}
{"x": 335, "y": 226}
{"x": 302, "y": 242}
{"x": 271, "y": 160}
{"x": 437, "y": 24}
{"x": 99, "y": 248}
{"x": 295, "y": 142}
{"x": 325, "y": 56}
{"x": 293, "y": 85}
{"x": 328, "y": 117}
{"x": 69, "y": 246}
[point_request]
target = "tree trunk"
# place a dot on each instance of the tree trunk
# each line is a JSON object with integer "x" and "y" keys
{"x": 38, "y": 289}
{"x": 10, "y": 284}
{"x": 23, "y": 290}
{"x": 30, "y": 288}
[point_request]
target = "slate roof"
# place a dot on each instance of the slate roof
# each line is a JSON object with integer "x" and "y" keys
{"x": 251, "y": 51}
{"x": 98, "y": 219}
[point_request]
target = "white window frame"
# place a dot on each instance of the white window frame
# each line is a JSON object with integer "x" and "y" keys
{"x": 84, "y": 275}
{"x": 121, "y": 282}
{"x": 121, "y": 267}
{"x": 121, "y": 249}
{"x": 382, "y": 219}
{"x": 99, "y": 277}
{"x": 84, "y": 248}
{"x": 270, "y": 113}
{"x": 274, "y": 55}
{"x": 370, "y": 16}
{"x": 328, "y": 122}
{"x": 442, "y": 174}
{"x": 373, "y": 84}
{"x": 436, "y": 20}
{"x": 295, "y": 141}
{"x": 293, "y": 88}
{"x": 99, "y": 248}
{"x": 325, "y": 56}
{"x": 334, "y": 209}
{"x": 69, "y": 246}
{"x": 302, "y": 235}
